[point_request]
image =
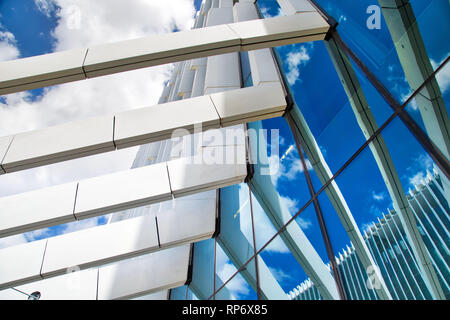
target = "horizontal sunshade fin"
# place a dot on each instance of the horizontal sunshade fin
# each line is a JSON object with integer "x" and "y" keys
{"x": 44, "y": 70}
{"x": 155, "y": 123}
{"x": 161, "y": 120}
{"x": 150, "y": 275}
{"x": 61, "y": 67}
{"x": 37, "y": 209}
{"x": 161, "y": 46}
{"x": 280, "y": 28}
{"x": 219, "y": 166}
{"x": 123, "y": 190}
{"x": 99, "y": 245}
{"x": 5, "y": 142}
{"x": 107, "y": 243}
{"x": 58, "y": 143}
{"x": 251, "y": 102}
{"x": 25, "y": 261}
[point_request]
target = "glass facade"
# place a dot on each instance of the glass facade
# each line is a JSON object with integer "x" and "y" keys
{"x": 386, "y": 240}
{"x": 375, "y": 159}
{"x": 347, "y": 193}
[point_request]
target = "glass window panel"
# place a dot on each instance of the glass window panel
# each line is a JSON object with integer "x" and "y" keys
{"x": 363, "y": 28}
{"x": 307, "y": 221}
{"x": 350, "y": 269}
{"x": 433, "y": 20}
{"x": 284, "y": 268}
{"x": 237, "y": 288}
{"x": 245, "y": 69}
{"x": 329, "y": 116}
{"x": 182, "y": 293}
{"x": 269, "y": 8}
{"x": 286, "y": 168}
{"x": 431, "y": 114}
{"x": 371, "y": 205}
{"x": 372, "y": 208}
{"x": 427, "y": 189}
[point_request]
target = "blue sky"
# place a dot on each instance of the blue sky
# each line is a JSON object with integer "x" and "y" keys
{"x": 37, "y": 28}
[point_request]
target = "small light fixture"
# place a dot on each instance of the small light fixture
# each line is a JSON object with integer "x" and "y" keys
{"x": 34, "y": 296}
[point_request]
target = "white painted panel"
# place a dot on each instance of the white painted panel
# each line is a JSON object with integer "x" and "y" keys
{"x": 100, "y": 245}
{"x": 159, "y": 122}
{"x": 263, "y": 67}
{"x": 27, "y": 73}
{"x": 295, "y": 6}
{"x": 158, "y": 49}
{"x": 275, "y": 29}
{"x": 252, "y": 103}
{"x": 225, "y": 3}
{"x": 244, "y": 12}
{"x": 21, "y": 263}
{"x": 79, "y": 285}
{"x": 229, "y": 136}
{"x": 186, "y": 219}
{"x": 208, "y": 170}
{"x": 160, "y": 295}
{"x": 195, "y": 63}
{"x": 223, "y": 71}
{"x": 219, "y": 16}
{"x": 122, "y": 190}
{"x": 59, "y": 143}
{"x": 187, "y": 79}
{"x": 39, "y": 208}
{"x": 199, "y": 81}
{"x": 146, "y": 274}
{"x": 4, "y": 146}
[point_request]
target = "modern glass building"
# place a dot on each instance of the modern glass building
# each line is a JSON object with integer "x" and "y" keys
{"x": 386, "y": 240}
{"x": 285, "y": 129}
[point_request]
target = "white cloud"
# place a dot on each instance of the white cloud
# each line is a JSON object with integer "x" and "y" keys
{"x": 378, "y": 196}
{"x": 81, "y": 24}
{"x": 418, "y": 168}
{"x": 225, "y": 269}
{"x": 8, "y": 49}
{"x": 12, "y": 240}
{"x": 83, "y": 224}
{"x": 286, "y": 169}
{"x": 265, "y": 12}
{"x": 303, "y": 223}
{"x": 280, "y": 275}
{"x": 443, "y": 76}
{"x": 366, "y": 227}
{"x": 375, "y": 211}
{"x": 45, "y": 6}
{"x": 417, "y": 178}
{"x": 85, "y": 22}
{"x": 342, "y": 18}
{"x": 264, "y": 228}
{"x": 294, "y": 60}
